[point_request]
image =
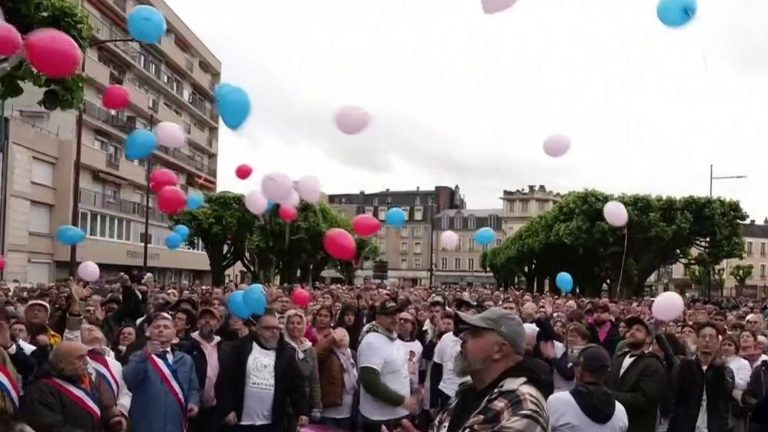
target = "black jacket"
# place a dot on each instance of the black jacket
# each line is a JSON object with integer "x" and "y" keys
{"x": 638, "y": 389}
{"x": 45, "y": 409}
{"x": 690, "y": 383}
{"x": 289, "y": 388}
{"x": 611, "y": 340}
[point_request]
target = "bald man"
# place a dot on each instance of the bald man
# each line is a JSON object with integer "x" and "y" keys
{"x": 63, "y": 400}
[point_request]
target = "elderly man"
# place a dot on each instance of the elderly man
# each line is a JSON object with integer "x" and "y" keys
{"x": 63, "y": 401}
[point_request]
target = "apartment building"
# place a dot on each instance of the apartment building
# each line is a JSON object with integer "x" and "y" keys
{"x": 520, "y": 206}
{"x": 172, "y": 81}
{"x": 407, "y": 250}
{"x": 462, "y": 264}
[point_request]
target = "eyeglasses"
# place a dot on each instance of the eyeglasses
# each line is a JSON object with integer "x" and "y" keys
{"x": 752, "y": 322}
{"x": 270, "y": 328}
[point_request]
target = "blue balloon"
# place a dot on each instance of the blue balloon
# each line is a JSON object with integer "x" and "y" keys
{"x": 173, "y": 241}
{"x": 270, "y": 205}
{"x": 234, "y": 105}
{"x": 676, "y": 13}
{"x": 146, "y": 24}
{"x": 140, "y": 144}
{"x": 255, "y": 299}
{"x": 236, "y": 305}
{"x": 69, "y": 235}
{"x": 195, "y": 200}
{"x": 182, "y": 231}
{"x": 564, "y": 281}
{"x": 485, "y": 236}
{"x": 395, "y": 217}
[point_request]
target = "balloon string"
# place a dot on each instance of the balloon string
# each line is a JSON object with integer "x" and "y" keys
{"x": 623, "y": 257}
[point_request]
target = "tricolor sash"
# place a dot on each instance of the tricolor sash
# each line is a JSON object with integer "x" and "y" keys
{"x": 9, "y": 386}
{"x": 76, "y": 395}
{"x": 169, "y": 379}
{"x": 102, "y": 367}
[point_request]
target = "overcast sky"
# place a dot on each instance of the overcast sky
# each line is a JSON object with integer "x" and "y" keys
{"x": 460, "y": 97}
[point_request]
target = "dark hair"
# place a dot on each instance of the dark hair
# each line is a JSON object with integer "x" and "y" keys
{"x": 734, "y": 340}
{"x": 579, "y": 329}
{"x": 707, "y": 324}
{"x": 116, "y": 337}
{"x": 325, "y": 308}
{"x": 678, "y": 348}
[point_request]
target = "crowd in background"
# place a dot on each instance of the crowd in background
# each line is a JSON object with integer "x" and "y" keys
{"x": 137, "y": 356}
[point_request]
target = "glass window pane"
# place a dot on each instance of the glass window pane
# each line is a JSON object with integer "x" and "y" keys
{"x": 112, "y": 228}
{"x": 83, "y": 221}
{"x": 120, "y": 230}
{"x": 93, "y": 227}
{"x": 102, "y": 226}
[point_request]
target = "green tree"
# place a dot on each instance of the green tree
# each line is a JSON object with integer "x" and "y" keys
{"x": 223, "y": 225}
{"x": 574, "y": 237}
{"x": 742, "y": 272}
{"x": 28, "y": 15}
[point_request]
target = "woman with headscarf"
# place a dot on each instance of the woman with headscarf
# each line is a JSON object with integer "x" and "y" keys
{"x": 295, "y": 327}
{"x": 351, "y": 320}
{"x": 338, "y": 380}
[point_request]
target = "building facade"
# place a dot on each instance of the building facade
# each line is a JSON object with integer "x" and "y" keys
{"x": 522, "y": 205}
{"x": 462, "y": 264}
{"x": 407, "y": 250}
{"x": 172, "y": 81}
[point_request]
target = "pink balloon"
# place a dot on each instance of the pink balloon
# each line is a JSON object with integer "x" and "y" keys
{"x": 352, "y": 119}
{"x": 493, "y": 6}
{"x": 53, "y": 53}
{"x": 293, "y": 200}
{"x": 10, "y": 40}
{"x": 162, "y": 177}
{"x": 340, "y": 244}
{"x": 256, "y": 203}
{"x": 3, "y": 262}
{"x": 557, "y": 145}
{"x": 287, "y": 214}
{"x": 300, "y": 297}
{"x": 170, "y": 134}
{"x": 449, "y": 240}
{"x": 615, "y": 214}
{"x": 88, "y": 271}
{"x": 171, "y": 200}
{"x": 277, "y": 187}
{"x": 365, "y": 225}
{"x": 243, "y": 171}
{"x": 320, "y": 428}
{"x": 668, "y": 306}
{"x": 116, "y": 97}
{"x": 308, "y": 188}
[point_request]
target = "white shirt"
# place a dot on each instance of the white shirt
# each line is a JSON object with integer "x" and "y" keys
{"x": 386, "y": 356}
{"x": 412, "y": 352}
{"x": 627, "y": 361}
{"x": 701, "y": 422}
{"x": 566, "y": 416}
{"x": 741, "y": 371}
{"x": 259, "y": 387}
{"x": 445, "y": 354}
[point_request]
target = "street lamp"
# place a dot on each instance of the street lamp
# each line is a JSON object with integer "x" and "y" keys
{"x": 712, "y": 178}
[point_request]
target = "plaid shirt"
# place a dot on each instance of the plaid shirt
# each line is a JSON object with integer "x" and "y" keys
{"x": 513, "y": 406}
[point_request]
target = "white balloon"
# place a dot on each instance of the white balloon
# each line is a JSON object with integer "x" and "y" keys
{"x": 88, "y": 271}
{"x": 668, "y": 306}
{"x": 557, "y": 145}
{"x": 256, "y": 203}
{"x": 352, "y": 119}
{"x": 292, "y": 201}
{"x": 170, "y": 134}
{"x": 308, "y": 188}
{"x": 449, "y": 240}
{"x": 615, "y": 214}
{"x": 276, "y": 187}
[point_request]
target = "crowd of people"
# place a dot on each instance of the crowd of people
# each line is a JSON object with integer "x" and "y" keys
{"x": 137, "y": 356}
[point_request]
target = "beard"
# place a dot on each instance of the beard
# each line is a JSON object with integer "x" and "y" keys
{"x": 206, "y": 330}
{"x": 598, "y": 321}
{"x": 634, "y": 344}
{"x": 464, "y": 367}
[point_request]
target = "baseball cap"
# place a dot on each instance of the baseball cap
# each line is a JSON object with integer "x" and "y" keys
{"x": 40, "y": 303}
{"x": 387, "y": 308}
{"x": 503, "y": 322}
{"x": 208, "y": 310}
{"x": 635, "y": 320}
{"x": 594, "y": 358}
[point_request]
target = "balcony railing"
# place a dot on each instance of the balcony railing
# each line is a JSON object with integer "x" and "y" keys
{"x": 118, "y": 205}
{"x": 113, "y": 161}
{"x": 116, "y": 121}
{"x": 188, "y": 160}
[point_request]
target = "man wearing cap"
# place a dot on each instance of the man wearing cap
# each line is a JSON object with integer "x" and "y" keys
{"x": 502, "y": 394}
{"x": 637, "y": 378}
{"x": 589, "y": 406}
{"x": 386, "y": 397}
{"x": 603, "y": 331}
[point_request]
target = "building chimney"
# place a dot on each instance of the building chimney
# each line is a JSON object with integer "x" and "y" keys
{"x": 418, "y": 188}
{"x": 531, "y": 188}
{"x": 765, "y": 221}
{"x": 751, "y": 221}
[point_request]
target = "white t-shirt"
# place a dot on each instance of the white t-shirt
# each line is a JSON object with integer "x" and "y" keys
{"x": 388, "y": 357}
{"x": 566, "y": 416}
{"x": 412, "y": 352}
{"x": 259, "y": 387}
{"x": 445, "y": 354}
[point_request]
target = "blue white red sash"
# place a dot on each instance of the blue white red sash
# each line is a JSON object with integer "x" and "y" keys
{"x": 9, "y": 386}
{"x": 170, "y": 381}
{"x": 102, "y": 367}
{"x": 76, "y": 395}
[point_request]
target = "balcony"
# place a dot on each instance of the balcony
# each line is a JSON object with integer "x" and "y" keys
{"x": 114, "y": 120}
{"x": 198, "y": 136}
{"x": 96, "y": 71}
{"x": 188, "y": 160}
{"x": 112, "y": 161}
{"x": 98, "y": 200}
{"x": 175, "y": 53}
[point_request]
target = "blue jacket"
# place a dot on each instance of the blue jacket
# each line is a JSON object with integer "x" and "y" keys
{"x": 153, "y": 407}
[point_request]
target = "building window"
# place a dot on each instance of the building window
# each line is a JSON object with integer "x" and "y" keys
{"x": 471, "y": 264}
{"x": 39, "y": 271}
{"x": 523, "y": 206}
{"x": 418, "y": 231}
{"x": 407, "y": 211}
{"x": 762, "y": 248}
{"x": 417, "y": 200}
{"x": 430, "y": 200}
{"x": 403, "y": 263}
{"x": 457, "y": 263}
{"x": 42, "y": 172}
{"x": 498, "y": 242}
{"x": 542, "y": 206}
{"x": 511, "y": 205}
{"x": 445, "y": 222}
{"x": 404, "y": 247}
{"x": 417, "y": 247}
{"x": 404, "y": 232}
{"x": 471, "y": 222}
{"x": 762, "y": 271}
{"x": 457, "y": 221}
{"x": 443, "y": 263}
{"x": 141, "y": 238}
{"x": 369, "y": 210}
{"x": 375, "y": 201}
{"x": 417, "y": 263}
{"x": 471, "y": 245}
{"x": 105, "y": 226}
{"x": 111, "y": 193}
{"x": 749, "y": 248}
{"x": 39, "y": 218}
{"x": 382, "y": 213}
{"x": 460, "y": 244}
{"x": 100, "y": 143}
{"x": 493, "y": 221}
{"x": 418, "y": 213}
{"x": 382, "y": 246}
